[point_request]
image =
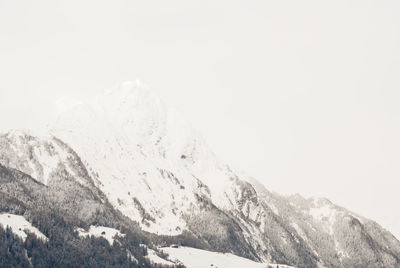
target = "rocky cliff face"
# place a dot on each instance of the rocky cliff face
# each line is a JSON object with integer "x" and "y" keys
{"x": 129, "y": 152}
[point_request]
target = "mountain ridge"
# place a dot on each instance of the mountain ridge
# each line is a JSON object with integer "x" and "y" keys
{"x": 139, "y": 158}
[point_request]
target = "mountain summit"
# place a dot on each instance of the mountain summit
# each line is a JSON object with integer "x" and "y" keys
{"x": 145, "y": 154}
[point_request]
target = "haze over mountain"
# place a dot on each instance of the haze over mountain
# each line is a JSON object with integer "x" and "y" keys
{"x": 308, "y": 89}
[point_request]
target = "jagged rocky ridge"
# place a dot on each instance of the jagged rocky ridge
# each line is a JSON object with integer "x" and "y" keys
{"x": 136, "y": 160}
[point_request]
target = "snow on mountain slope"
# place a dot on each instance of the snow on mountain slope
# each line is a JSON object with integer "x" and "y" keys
{"x": 101, "y": 231}
{"x": 50, "y": 176}
{"x": 20, "y": 226}
{"x": 154, "y": 258}
{"x": 197, "y": 258}
{"x": 40, "y": 156}
{"x": 149, "y": 161}
{"x": 334, "y": 235}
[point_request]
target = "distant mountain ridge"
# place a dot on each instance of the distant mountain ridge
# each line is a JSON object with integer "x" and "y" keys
{"x": 131, "y": 158}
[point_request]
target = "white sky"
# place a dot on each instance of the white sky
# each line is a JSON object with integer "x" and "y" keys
{"x": 303, "y": 95}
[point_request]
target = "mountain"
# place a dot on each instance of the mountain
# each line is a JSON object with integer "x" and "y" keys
{"x": 126, "y": 160}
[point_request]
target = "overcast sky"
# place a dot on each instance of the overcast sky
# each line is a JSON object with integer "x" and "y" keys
{"x": 303, "y": 95}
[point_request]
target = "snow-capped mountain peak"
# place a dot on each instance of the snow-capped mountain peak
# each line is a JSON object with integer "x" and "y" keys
{"x": 143, "y": 150}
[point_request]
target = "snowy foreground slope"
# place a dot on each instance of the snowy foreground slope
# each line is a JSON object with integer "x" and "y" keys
{"x": 197, "y": 258}
{"x": 124, "y": 158}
